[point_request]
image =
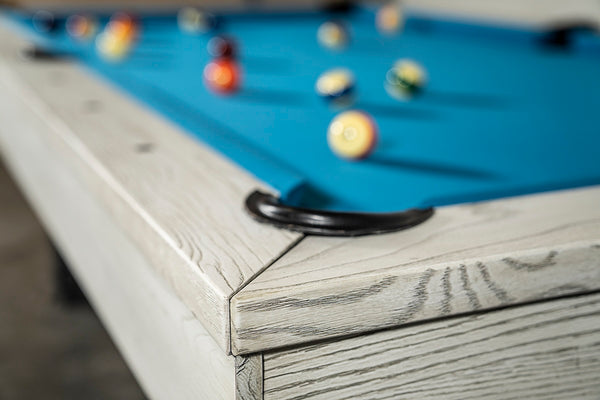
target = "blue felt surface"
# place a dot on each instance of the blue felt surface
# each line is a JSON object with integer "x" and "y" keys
{"x": 501, "y": 114}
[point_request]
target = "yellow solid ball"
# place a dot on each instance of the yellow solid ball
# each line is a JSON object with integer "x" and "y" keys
{"x": 112, "y": 48}
{"x": 389, "y": 19}
{"x": 352, "y": 135}
{"x": 332, "y": 35}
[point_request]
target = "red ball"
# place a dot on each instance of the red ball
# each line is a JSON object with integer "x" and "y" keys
{"x": 222, "y": 76}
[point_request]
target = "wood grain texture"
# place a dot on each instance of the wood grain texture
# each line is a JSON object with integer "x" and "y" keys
{"x": 180, "y": 202}
{"x": 169, "y": 351}
{"x": 465, "y": 258}
{"x": 549, "y": 350}
{"x": 249, "y": 377}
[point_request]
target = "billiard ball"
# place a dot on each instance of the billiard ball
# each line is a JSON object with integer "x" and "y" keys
{"x": 118, "y": 37}
{"x": 222, "y": 47}
{"x": 81, "y": 27}
{"x": 222, "y": 76}
{"x": 44, "y": 22}
{"x": 333, "y": 35}
{"x": 113, "y": 47}
{"x": 352, "y": 135}
{"x": 337, "y": 86}
{"x": 193, "y": 20}
{"x": 389, "y": 18}
{"x": 405, "y": 79}
{"x": 122, "y": 26}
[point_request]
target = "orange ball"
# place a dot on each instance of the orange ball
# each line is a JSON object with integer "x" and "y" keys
{"x": 122, "y": 26}
{"x": 81, "y": 27}
{"x": 222, "y": 76}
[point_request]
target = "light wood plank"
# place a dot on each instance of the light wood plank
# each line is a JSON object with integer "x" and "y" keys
{"x": 171, "y": 354}
{"x": 249, "y": 377}
{"x": 465, "y": 258}
{"x": 181, "y": 203}
{"x": 549, "y": 350}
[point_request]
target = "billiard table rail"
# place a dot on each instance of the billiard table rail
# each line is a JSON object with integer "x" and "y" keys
{"x": 255, "y": 287}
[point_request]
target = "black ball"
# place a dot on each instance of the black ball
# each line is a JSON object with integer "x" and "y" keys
{"x": 44, "y": 22}
{"x": 222, "y": 47}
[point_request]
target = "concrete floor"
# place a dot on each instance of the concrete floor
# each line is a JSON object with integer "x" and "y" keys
{"x": 48, "y": 350}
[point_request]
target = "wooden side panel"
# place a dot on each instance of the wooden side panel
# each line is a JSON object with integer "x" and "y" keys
{"x": 171, "y": 354}
{"x": 466, "y": 258}
{"x": 249, "y": 377}
{"x": 181, "y": 203}
{"x": 548, "y": 350}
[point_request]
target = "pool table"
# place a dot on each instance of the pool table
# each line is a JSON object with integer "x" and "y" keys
{"x": 500, "y": 100}
{"x": 479, "y": 205}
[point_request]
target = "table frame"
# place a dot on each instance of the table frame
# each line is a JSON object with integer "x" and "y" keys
{"x": 165, "y": 228}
